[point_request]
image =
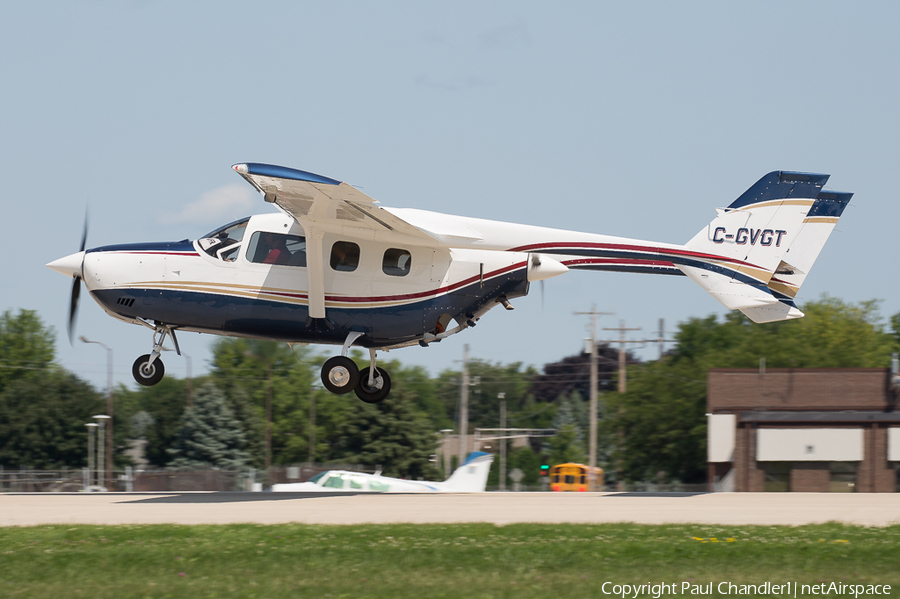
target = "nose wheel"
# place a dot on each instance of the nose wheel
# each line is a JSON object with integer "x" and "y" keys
{"x": 148, "y": 373}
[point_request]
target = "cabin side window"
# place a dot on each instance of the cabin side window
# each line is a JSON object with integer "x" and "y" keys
{"x": 344, "y": 256}
{"x": 378, "y": 486}
{"x": 224, "y": 243}
{"x": 396, "y": 262}
{"x": 335, "y": 481}
{"x": 277, "y": 248}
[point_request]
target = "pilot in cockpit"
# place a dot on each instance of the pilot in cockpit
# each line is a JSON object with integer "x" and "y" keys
{"x": 278, "y": 252}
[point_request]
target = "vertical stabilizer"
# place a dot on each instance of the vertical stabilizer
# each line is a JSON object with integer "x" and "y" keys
{"x": 757, "y": 252}
{"x": 472, "y": 476}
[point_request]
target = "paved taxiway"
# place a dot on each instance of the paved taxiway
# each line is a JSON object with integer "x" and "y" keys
{"x": 27, "y": 509}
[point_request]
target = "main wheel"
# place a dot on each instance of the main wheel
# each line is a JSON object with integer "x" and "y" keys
{"x": 147, "y": 374}
{"x": 377, "y": 393}
{"x": 340, "y": 375}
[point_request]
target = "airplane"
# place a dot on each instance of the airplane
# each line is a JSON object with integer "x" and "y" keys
{"x": 333, "y": 267}
{"x": 471, "y": 477}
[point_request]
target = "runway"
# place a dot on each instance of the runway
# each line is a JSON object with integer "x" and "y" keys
{"x": 30, "y": 509}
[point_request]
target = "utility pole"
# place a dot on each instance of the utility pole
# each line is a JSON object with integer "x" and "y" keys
{"x": 622, "y": 388}
{"x": 502, "y": 397}
{"x": 592, "y": 451}
{"x": 622, "y": 341}
{"x": 464, "y": 407}
{"x": 661, "y": 338}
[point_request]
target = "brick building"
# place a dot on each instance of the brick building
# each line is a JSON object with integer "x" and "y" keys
{"x": 810, "y": 430}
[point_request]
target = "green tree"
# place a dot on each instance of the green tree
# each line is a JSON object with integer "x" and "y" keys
{"x": 392, "y": 434}
{"x": 661, "y": 420}
{"x": 487, "y": 381}
{"x": 255, "y": 374}
{"x": 210, "y": 436}
{"x": 571, "y": 425}
{"x": 26, "y": 346}
{"x": 162, "y": 407}
{"x": 42, "y": 420}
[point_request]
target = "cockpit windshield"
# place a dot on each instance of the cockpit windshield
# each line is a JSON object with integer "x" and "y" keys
{"x": 224, "y": 242}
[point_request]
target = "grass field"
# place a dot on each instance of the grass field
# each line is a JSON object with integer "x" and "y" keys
{"x": 473, "y": 560}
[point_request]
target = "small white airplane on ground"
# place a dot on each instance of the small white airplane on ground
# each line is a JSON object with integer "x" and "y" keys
{"x": 471, "y": 477}
{"x": 335, "y": 268}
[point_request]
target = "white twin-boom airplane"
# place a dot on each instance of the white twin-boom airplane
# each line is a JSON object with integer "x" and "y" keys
{"x": 333, "y": 267}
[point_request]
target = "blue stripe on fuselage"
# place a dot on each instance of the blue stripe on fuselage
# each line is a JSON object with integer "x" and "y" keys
{"x": 185, "y": 245}
{"x": 244, "y": 316}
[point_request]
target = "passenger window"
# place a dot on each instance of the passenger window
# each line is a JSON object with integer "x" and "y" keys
{"x": 378, "y": 486}
{"x": 344, "y": 256}
{"x": 396, "y": 262}
{"x": 277, "y": 248}
{"x": 335, "y": 482}
{"x": 356, "y": 482}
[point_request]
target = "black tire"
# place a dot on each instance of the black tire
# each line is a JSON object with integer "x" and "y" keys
{"x": 378, "y": 393}
{"x": 340, "y": 375}
{"x": 151, "y": 376}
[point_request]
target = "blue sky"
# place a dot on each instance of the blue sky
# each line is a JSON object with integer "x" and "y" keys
{"x": 633, "y": 119}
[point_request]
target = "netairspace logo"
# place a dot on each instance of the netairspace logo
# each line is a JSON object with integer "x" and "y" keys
{"x": 789, "y": 589}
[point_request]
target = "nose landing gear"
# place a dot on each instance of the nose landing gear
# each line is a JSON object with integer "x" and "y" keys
{"x": 341, "y": 375}
{"x": 148, "y": 370}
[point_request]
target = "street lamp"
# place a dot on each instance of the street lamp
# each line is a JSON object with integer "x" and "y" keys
{"x": 109, "y": 406}
{"x": 92, "y": 431}
{"x": 102, "y": 418}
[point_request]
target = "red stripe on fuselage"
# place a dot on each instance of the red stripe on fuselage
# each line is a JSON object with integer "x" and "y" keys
{"x": 634, "y": 261}
{"x": 162, "y": 253}
{"x": 626, "y": 247}
{"x": 447, "y": 289}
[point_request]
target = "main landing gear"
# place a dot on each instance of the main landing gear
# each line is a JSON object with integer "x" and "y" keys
{"x": 341, "y": 375}
{"x": 148, "y": 370}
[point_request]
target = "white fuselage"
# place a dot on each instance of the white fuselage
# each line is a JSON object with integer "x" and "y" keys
{"x": 467, "y": 268}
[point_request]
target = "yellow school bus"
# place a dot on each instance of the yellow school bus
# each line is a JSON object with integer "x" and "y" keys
{"x": 573, "y": 477}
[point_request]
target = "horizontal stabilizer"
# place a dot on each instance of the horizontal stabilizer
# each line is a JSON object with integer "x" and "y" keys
{"x": 732, "y": 294}
{"x": 772, "y": 313}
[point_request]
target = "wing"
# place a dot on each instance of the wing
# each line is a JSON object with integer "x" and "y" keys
{"x": 320, "y": 204}
{"x": 323, "y": 203}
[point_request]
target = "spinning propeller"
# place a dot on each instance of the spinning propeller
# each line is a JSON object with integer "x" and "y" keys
{"x": 72, "y": 266}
